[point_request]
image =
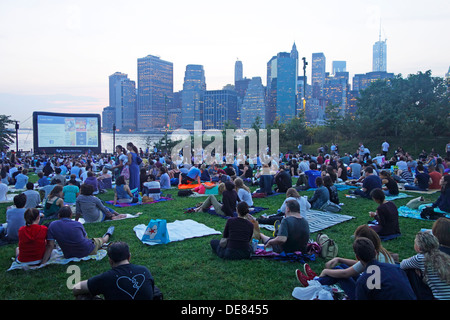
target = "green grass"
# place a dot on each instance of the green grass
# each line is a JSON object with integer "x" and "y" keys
{"x": 188, "y": 269}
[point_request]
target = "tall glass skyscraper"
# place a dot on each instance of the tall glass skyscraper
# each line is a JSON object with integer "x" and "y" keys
{"x": 238, "y": 71}
{"x": 254, "y": 104}
{"x": 219, "y": 106}
{"x": 122, "y": 99}
{"x": 194, "y": 88}
{"x": 155, "y": 93}
{"x": 115, "y": 96}
{"x": 379, "y": 56}
{"x": 318, "y": 74}
{"x": 281, "y": 87}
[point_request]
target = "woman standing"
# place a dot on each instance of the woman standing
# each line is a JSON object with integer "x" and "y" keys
{"x": 133, "y": 166}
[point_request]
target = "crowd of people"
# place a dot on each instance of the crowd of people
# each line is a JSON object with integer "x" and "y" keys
{"x": 48, "y": 212}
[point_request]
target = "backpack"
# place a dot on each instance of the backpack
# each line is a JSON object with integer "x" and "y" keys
{"x": 428, "y": 213}
{"x": 329, "y": 248}
{"x": 331, "y": 207}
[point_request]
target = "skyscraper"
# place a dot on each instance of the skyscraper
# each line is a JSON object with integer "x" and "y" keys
{"x": 115, "y": 96}
{"x": 155, "y": 92}
{"x": 281, "y": 87}
{"x": 318, "y": 74}
{"x": 379, "y": 56}
{"x": 238, "y": 71}
{"x": 194, "y": 87}
{"x": 219, "y": 107}
{"x": 254, "y": 104}
{"x": 339, "y": 66}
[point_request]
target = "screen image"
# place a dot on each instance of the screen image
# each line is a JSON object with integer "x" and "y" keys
{"x": 56, "y": 132}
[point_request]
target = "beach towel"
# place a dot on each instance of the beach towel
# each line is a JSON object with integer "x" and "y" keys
{"x": 127, "y": 216}
{"x": 407, "y": 212}
{"x": 318, "y": 220}
{"x": 180, "y": 230}
{"x": 399, "y": 196}
{"x": 194, "y": 185}
{"x": 122, "y": 205}
{"x": 57, "y": 257}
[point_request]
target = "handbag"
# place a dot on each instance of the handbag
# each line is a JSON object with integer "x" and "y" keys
{"x": 156, "y": 232}
{"x": 125, "y": 172}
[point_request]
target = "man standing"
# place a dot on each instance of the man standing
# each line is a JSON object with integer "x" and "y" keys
{"x": 385, "y": 148}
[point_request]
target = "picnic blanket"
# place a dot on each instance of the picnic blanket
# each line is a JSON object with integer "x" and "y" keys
{"x": 399, "y": 196}
{"x": 407, "y": 212}
{"x": 121, "y": 205}
{"x": 339, "y": 187}
{"x": 318, "y": 220}
{"x": 179, "y": 230}
{"x": 57, "y": 257}
{"x": 194, "y": 185}
{"x": 9, "y": 198}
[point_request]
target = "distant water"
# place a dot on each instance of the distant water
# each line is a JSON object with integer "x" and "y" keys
{"x": 140, "y": 140}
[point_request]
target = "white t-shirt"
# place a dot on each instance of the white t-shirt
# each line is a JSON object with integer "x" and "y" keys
{"x": 385, "y": 146}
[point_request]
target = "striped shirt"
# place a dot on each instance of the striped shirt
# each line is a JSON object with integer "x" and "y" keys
{"x": 440, "y": 289}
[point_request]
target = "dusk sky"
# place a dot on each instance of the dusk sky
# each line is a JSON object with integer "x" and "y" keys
{"x": 57, "y": 55}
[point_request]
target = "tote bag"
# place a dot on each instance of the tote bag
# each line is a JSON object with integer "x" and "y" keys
{"x": 156, "y": 232}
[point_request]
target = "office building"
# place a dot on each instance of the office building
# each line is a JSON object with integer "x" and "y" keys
{"x": 379, "y": 56}
{"x": 108, "y": 118}
{"x": 155, "y": 91}
{"x": 363, "y": 81}
{"x": 253, "y": 105}
{"x": 318, "y": 74}
{"x": 281, "y": 92}
{"x": 339, "y": 66}
{"x": 194, "y": 88}
{"x": 219, "y": 107}
{"x": 238, "y": 71}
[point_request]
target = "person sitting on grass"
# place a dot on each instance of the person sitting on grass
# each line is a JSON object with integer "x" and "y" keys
{"x": 386, "y": 215}
{"x": 14, "y": 220}
{"x": 92, "y": 208}
{"x": 54, "y": 202}
{"x": 114, "y": 284}
{"x": 429, "y": 265}
{"x": 443, "y": 202}
{"x": 32, "y": 238}
{"x": 321, "y": 195}
{"x": 238, "y": 233}
{"x": 230, "y": 199}
{"x": 293, "y": 233}
{"x": 122, "y": 192}
{"x": 70, "y": 193}
{"x": 392, "y": 284}
{"x": 371, "y": 181}
{"x": 422, "y": 180}
{"x": 72, "y": 237}
{"x": 390, "y": 185}
{"x": 345, "y": 271}
{"x": 33, "y": 197}
{"x": 440, "y": 230}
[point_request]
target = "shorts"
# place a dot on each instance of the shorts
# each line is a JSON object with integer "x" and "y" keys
{"x": 98, "y": 243}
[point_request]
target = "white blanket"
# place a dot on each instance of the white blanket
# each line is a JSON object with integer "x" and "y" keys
{"x": 179, "y": 230}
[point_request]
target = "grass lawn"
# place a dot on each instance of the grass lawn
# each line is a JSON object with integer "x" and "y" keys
{"x": 188, "y": 270}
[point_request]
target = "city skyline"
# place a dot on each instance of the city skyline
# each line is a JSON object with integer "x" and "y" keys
{"x": 59, "y": 58}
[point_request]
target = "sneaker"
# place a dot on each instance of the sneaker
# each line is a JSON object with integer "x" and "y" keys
{"x": 309, "y": 272}
{"x": 109, "y": 232}
{"x": 302, "y": 278}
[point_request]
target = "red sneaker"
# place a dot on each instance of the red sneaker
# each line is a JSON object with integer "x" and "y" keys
{"x": 309, "y": 272}
{"x": 302, "y": 278}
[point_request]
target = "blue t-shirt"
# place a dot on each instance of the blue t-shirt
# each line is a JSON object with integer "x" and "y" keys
{"x": 15, "y": 220}
{"x": 394, "y": 284}
{"x": 312, "y": 175}
{"x": 71, "y": 237}
{"x": 371, "y": 182}
{"x": 164, "y": 181}
{"x": 21, "y": 181}
{"x": 194, "y": 172}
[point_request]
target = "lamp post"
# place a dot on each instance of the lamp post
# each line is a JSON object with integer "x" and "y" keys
{"x": 114, "y": 138}
{"x": 304, "y": 82}
{"x": 17, "y": 138}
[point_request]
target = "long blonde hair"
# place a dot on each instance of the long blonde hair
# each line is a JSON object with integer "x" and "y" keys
{"x": 239, "y": 183}
{"x": 435, "y": 259}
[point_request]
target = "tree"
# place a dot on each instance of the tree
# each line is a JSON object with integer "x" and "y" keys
{"x": 7, "y": 135}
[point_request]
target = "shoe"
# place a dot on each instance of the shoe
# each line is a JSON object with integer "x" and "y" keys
{"x": 309, "y": 272}
{"x": 302, "y": 278}
{"x": 109, "y": 232}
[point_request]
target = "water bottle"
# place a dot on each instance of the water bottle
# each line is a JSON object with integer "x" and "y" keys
{"x": 254, "y": 245}
{"x": 140, "y": 199}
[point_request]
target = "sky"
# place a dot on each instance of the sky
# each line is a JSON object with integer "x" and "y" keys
{"x": 57, "y": 55}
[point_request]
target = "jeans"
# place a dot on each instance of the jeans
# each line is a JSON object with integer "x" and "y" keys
{"x": 346, "y": 284}
{"x": 228, "y": 253}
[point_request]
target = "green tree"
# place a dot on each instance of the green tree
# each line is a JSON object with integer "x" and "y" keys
{"x": 7, "y": 135}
